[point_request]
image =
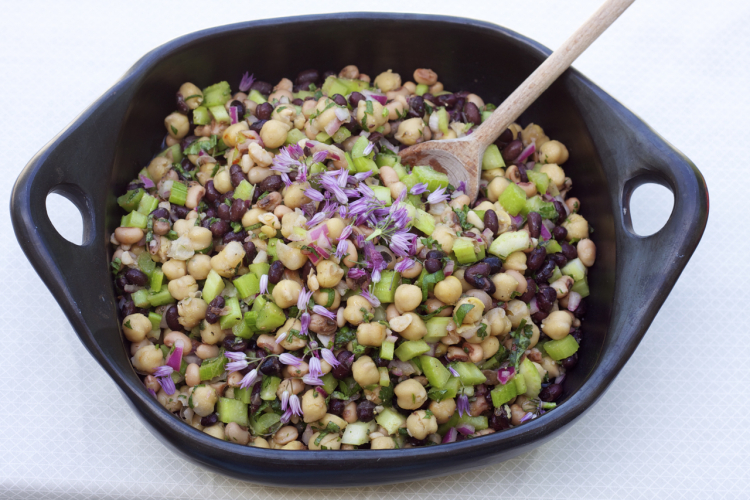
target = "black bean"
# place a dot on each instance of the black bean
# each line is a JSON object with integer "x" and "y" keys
{"x": 366, "y": 411}
{"x": 355, "y": 98}
{"x": 379, "y": 362}
{"x": 386, "y": 257}
{"x": 577, "y": 334}
{"x": 536, "y": 258}
{"x": 237, "y": 210}
{"x": 264, "y": 111}
{"x": 530, "y": 290}
{"x": 498, "y": 420}
{"x": 559, "y": 259}
{"x": 435, "y": 254}
{"x": 223, "y": 211}
{"x": 559, "y": 233}
{"x": 211, "y": 193}
{"x": 561, "y": 213}
{"x": 569, "y": 250}
{"x": 490, "y": 221}
{"x": 219, "y": 228}
{"x": 545, "y": 272}
{"x": 570, "y": 361}
{"x": 136, "y": 277}
{"x": 505, "y": 138}
{"x": 545, "y": 298}
{"x": 257, "y": 126}
{"x": 512, "y": 150}
{"x": 496, "y": 265}
{"x": 250, "y": 251}
{"x": 179, "y": 212}
{"x": 209, "y": 420}
{"x": 344, "y": 369}
{"x": 535, "y": 224}
{"x": 264, "y": 88}
{"x": 336, "y": 407}
{"x": 172, "y": 316}
{"x": 307, "y": 77}
{"x": 416, "y": 104}
{"x": 298, "y": 102}
{"x": 580, "y": 310}
{"x": 210, "y": 212}
{"x": 275, "y": 272}
{"x": 428, "y": 97}
{"x": 433, "y": 265}
{"x": 236, "y": 175}
{"x": 340, "y": 100}
{"x": 181, "y": 104}
{"x": 551, "y": 393}
{"x": 135, "y": 185}
{"x": 522, "y": 173}
{"x": 471, "y": 111}
{"x": 121, "y": 282}
{"x": 128, "y": 308}
{"x": 232, "y": 236}
{"x": 446, "y": 100}
{"x": 160, "y": 213}
{"x": 326, "y": 74}
{"x": 539, "y": 316}
{"x": 234, "y": 344}
{"x": 474, "y": 274}
{"x": 306, "y": 270}
{"x": 240, "y": 108}
{"x": 271, "y": 183}
{"x": 270, "y": 366}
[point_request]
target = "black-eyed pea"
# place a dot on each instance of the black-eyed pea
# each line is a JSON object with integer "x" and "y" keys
{"x": 432, "y": 305}
{"x": 408, "y": 297}
{"x": 225, "y": 262}
{"x": 505, "y": 286}
{"x": 562, "y": 286}
{"x": 350, "y": 412}
{"x": 517, "y": 311}
{"x": 223, "y": 181}
{"x": 388, "y": 175}
{"x": 396, "y": 189}
{"x": 350, "y": 72}
{"x": 528, "y": 187}
{"x": 171, "y": 338}
{"x": 128, "y": 235}
{"x": 290, "y": 385}
{"x": 174, "y": 269}
{"x": 365, "y": 371}
{"x": 474, "y": 351}
{"x": 555, "y": 173}
{"x": 557, "y": 325}
{"x": 553, "y": 152}
{"x": 234, "y": 379}
{"x": 371, "y": 334}
{"x": 350, "y": 256}
{"x": 490, "y": 346}
{"x": 194, "y": 195}
{"x": 259, "y": 442}
{"x": 192, "y": 375}
{"x": 410, "y": 393}
{"x": 329, "y": 273}
{"x": 383, "y": 443}
{"x": 236, "y": 434}
{"x": 410, "y": 131}
{"x": 135, "y": 327}
{"x": 516, "y": 414}
{"x": 152, "y": 383}
{"x": 391, "y": 312}
{"x": 211, "y": 333}
{"x": 416, "y": 329}
{"x": 420, "y": 424}
{"x": 516, "y": 261}
{"x": 313, "y": 406}
{"x": 424, "y": 76}
{"x": 577, "y": 227}
{"x": 513, "y": 174}
{"x": 449, "y": 290}
{"x": 198, "y": 266}
{"x": 476, "y": 100}
{"x": 216, "y": 430}
{"x": 300, "y": 370}
{"x": 353, "y": 311}
{"x": 586, "y": 252}
{"x": 286, "y": 434}
{"x": 573, "y": 205}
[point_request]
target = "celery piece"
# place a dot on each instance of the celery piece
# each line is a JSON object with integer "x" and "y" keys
{"x": 213, "y": 286}
{"x": 520, "y": 383}
{"x": 411, "y": 349}
{"x": 232, "y": 410}
{"x": 469, "y": 374}
{"x": 140, "y": 298}
{"x": 270, "y": 318}
{"x": 540, "y": 179}
{"x": 176, "y": 152}
{"x": 350, "y": 163}
{"x": 294, "y": 136}
{"x": 410, "y": 180}
{"x": 575, "y": 269}
{"x": 256, "y": 97}
{"x": 581, "y": 287}
{"x": 450, "y": 389}
{"x": 147, "y": 204}
{"x": 258, "y": 305}
{"x": 178, "y": 196}
{"x": 479, "y": 423}
{"x": 233, "y": 316}
{"x": 160, "y": 298}
{"x": 129, "y": 201}
{"x": 217, "y": 94}
{"x": 155, "y": 280}
{"x": 329, "y": 382}
{"x": 436, "y": 373}
{"x": 492, "y": 158}
{"x": 341, "y": 135}
{"x": 244, "y": 395}
{"x": 134, "y": 219}
{"x": 265, "y": 423}
{"x": 486, "y": 115}
{"x": 358, "y": 433}
{"x": 390, "y": 420}
{"x": 424, "y": 222}
{"x": 552, "y": 246}
{"x": 544, "y": 208}
{"x": 561, "y": 349}
{"x": 201, "y": 116}
{"x": 213, "y": 367}
{"x": 317, "y": 168}
{"x": 556, "y": 275}
{"x": 244, "y": 190}
{"x": 480, "y": 213}
{"x": 260, "y": 269}
{"x": 333, "y": 86}
{"x": 271, "y": 248}
{"x": 417, "y": 366}
{"x": 383, "y": 194}
{"x": 507, "y": 243}
{"x": 422, "y": 89}
{"x": 385, "y": 289}
{"x": 386, "y": 350}
{"x": 501, "y": 394}
{"x": 400, "y": 170}
{"x": 358, "y": 150}
{"x": 247, "y": 285}
{"x": 220, "y": 114}
{"x": 513, "y": 199}
{"x": 431, "y": 177}
{"x": 386, "y": 160}
{"x": 268, "y": 388}
{"x": 531, "y": 377}
{"x": 385, "y": 380}
{"x": 323, "y": 137}
{"x": 443, "y": 120}
{"x": 146, "y": 264}
{"x": 463, "y": 248}
{"x": 250, "y": 319}
{"x": 302, "y": 94}
{"x": 414, "y": 200}
{"x": 365, "y": 164}
{"x": 242, "y": 330}
{"x": 437, "y": 328}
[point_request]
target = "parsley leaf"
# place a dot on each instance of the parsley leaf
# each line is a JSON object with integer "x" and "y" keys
{"x": 198, "y": 146}
{"x": 521, "y": 341}
{"x": 462, "y": 312}
{"x": 461, "y": 214}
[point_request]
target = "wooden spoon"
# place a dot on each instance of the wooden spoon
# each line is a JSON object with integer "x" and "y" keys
{"x": 461, "y": 158}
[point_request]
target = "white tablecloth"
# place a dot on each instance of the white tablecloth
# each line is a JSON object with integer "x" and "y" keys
{"x": 673, "y": 425}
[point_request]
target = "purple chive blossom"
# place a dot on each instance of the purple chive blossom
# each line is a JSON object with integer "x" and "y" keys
{"x": 343, "y": 177}
{"x": 437, "y": 196}
{"x": 418, "y": 188}
{"x": 461, "y": 187}
{"x": 363, "y": 175}
{"x": 402, "y": 243}
{"x": 368, "y": 148}
{"x": 351, "y": 193}
{"x": 289, "y": 359}
{"x": 329, "y": 357}
{"x": 462, "y": 405}
{"x": 316, "y": 370}
{"x": 314, "y": 194}
{"x": 373, "y": 300}
{"x": 305, "y": 320}
{"x": 264, "y": 284}
{"x": 164, "y": 377}
{"x": 366, "y": 190}
{"x": 304, "y": 298}
{"x": 453, "y": 371}
{"x": 286, "y": 416}
{"x": 317, "y": 218}
{"x": 341, "y": 248}
{"x": 287, "y": 158}
{"x": 310, "y": 380}
{"x": 320, "y": 156}
{"x": 330, "y": 184}
{"x": 324, "y": 312}
{"x": 342, "y": 211}
{"x": 346, "y": 233}
{"x": 152, "y": 392}
{"x": 404, "y": 265}
{"x": 527, "y": 417}
{"x": 302, "y": 173}
{"x": 247, "y": 81}
{"x": 356, "y": 273}
{"x": 284, "y": 400}
{"x": 294, "y": 405}
{"x": 249, "y": 379}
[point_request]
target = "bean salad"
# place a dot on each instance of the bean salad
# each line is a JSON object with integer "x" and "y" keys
{"x": 285, "y": 282}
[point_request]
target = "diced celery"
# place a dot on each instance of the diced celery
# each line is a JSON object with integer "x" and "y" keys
{"x": 233, "y": 316}
{"x": 213, "y": 286}
{"x": 507, "y": 243}
{"x": 383, "y": 194}
{"x": 501, "y": 394}
{"x": 463, "y": 247}
{"x": 385, "y": 380}
{"x": 540, "y": 179}
{"x": 575, "y": 269}
{"x": 147, "y": 204}
{"x": 176, "y": 152}
{"x": 365, "y": 164}
{"x": 333, "y": 86}
{"x": 146, "y": 264}
{"x": 421, "y": 89}
{"x": 437, "y": 328}
{"x": 256, "y": 97}
{"x": 411, "y": 349}
{"x": 410, "y": 180}
{"x": 492, "y": 158}
{"x": 265, "y": 423}
{"x": 323, "y": 137}
{"x": 532, "y": 378}
{"x": 486, "y": 115}
{"x": 140, "y": 298}
{"x": 260, "y": 269}
{"x": 242, "y": 330}
{"x": 268, "y": 388}
{"x": 247, "y": 285}
{"x": 386, "y": 160}
{"x": 134, "y": 219}
{"x": 561, "y": 349}
{"x": 390, "y": 420}
{"x": 244, "y": 395}
{"x": 358, "y": 433}
{"x": 329, "y": 382}
{"x": 317, "y": 168}
{"x": 431, "y": 177}
{"x": 469, "y": 374}
{"x": 244, "y": 190}
{"x": 358, "y": 150}
{"x": 513, "y": 199}
{"x": 520, "y": 383}
{"x": 213, "y": 367}
{"x": 232, "y": 410}
{"x": 544, "y": 208}
{"x": 386, "y": 350}
{"x": 401, "y": 171}
{"x": 201, "y": 116}
{"x": 217, "y": 94}
{"x": 156, "y": 279}
{"x": 160, "y": 298}
{"x": 350, "y": 163}
{"x": 129, "y": 201}
{"x": 270, "y": 317}
{"x": 178, "y": 196}
{"x": 479, "y": 423}
{"x": 443, "y": 120}
{"x": 294, "y": 136}
{"x": 220, "y": 114}
{"x": 249, "y": 329}
{"x": 556, "y": 275}
{"x": 271, "y": 248}
{"x": 552, "y": 246}
{"x": 385, "y": 289}
{"x": 581, "y": 287}
{"x": 424, "y": 222}
{"x": 340, "y": 136}
{"x": 436, "y": 373}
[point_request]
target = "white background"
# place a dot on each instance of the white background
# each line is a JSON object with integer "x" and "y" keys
{"x": 673, "y": 425}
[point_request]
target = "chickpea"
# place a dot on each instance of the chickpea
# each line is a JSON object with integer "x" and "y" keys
{"x": 562, "y": 286}
{"x": 321, "y": 298}
{"x": 203, "y": 399}
{"x": 158, "y": 168}
{"x": 177, "y": 125}
{"x": 533, "y": 133}
{"x": 236, "y": 434}
{"x": 408, "y": 297}
{"x": 552, "y": 368}
{"x": 329, "y": 273}
{"x": 216, "y": 430}
{"x": 328, "y": 442}
{"x": 515, "y": 262}
{"x": 313, "y": 406}
{"x": 443, "y": 410}
{"x": 516, "y": 414}
{"x": 135, "y": 327}
{"x": 353, "y": 313}
{"x": 399, "y": 323}
{"x": 586, "y": 252}
{"x": 475, "y": 313}
{"x": 555, "y": 173}
{"x": 290, "y": 385}
{"x": 445, "y": 236}
{"x": 557, "y": 325}
{"x": 295, "y": 342}
{"x": 387, "y": 81}
{"x": 500, "y": 324}
{"x": 416, "y": 329}
{"x": 233, "y": 134}
{"x": 191, "y": 311}
{"x": 553, "y": 152}
{"x": 350, "y": 256}
{"x": 183, "y": 287}
{"x": 259, "y": 442}
{"x": 198, "y": 266}
{"x": 410, "y": 131}
{"x": 577, "y": 226}
{"x": 489, "y": 346}
{"x": 128, "y": 235}
{"x": 174, "y": 269}
{"x": 170, "y": 402}
{"x": 374, "y": 119}
{"x": 274, "y": 133}
{"x": 211, "y": 333}
{"x": 414, "y": 271}
{"x": 517, "y": 311}
{"x": 223, "y": 181}
{"x": 449, "y": 290}
{"x": 365, "y": 372}
{"x": 294, "y": 195}
{"x": 226, "y": 261}
{"x": 192, "y": 375}
{"x": 420, "y": 425}
{"x": 410, "y": 393}
{"x": 505, "y": 285}
{"x": 371, "y": 334}
{"x": 285, "y": 435}
{"x": 460, "y": 201}
{"x": 425, "y": 76}
{"x": 522, "y": 284}
{"x": 286, "y": 293}
{"x": 268, "y": 342}
{"x": 436, "y": 88}
{"x": 191, "y": 94}
{"x": 383, "y": 443}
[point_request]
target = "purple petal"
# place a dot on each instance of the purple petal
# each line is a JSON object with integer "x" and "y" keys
{"x": 418, "y": 188}
{"x": 314, "y": 194}
{"x": 363, "y": 175}
{"x": 461, "y": 186}
{"x": 317, "y": 218}
{"x": 356, "y": 273}
{"x": 453, "y": 371}
{"x": 462, "y": 405}
{"x": 347, "y": 231}
{"x": 373, "y": 300}
{"x": 235, "y": 356}
{"x": 343, "y": 177}
{"x": 368, "y": 148}
{"x": 324, "y": 312}
{"x": 289, "y": 359}
{"x": 284, "y": 400}
{"x": 163, "y": 371}
{"x": 246, "y": 82}
{"x": 286, "y": 416}
{"x": 341, "y": 248}
{"x": 286, "y": 179}
{"x": 310, "y": 380}
{"x": 236, "y": 366}
{"x": 316, "y": 370}
{"x": 404, "y": 265}
{"x": 249, "y": 379}
{"x": 294, "y": 405}
{"x": 329, "y": 357}
{"x": 152, "y": 392}
{"x": 320, "y": 156}
{"x": 167, "y": 384}
{"x": 264, "y": 284}
{"x": 527, "y": 417}
{"x": 304, "y": 298}
{"x": 305, "y": 320}
{"x": 437, "y": 196}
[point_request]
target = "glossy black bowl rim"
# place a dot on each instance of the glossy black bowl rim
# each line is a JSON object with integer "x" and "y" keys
{"x": 34, "y": 231}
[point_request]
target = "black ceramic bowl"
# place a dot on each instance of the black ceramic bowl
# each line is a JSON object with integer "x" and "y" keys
{"x": 612, "y": 152}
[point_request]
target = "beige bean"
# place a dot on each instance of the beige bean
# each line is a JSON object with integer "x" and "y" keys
{"x": 128, "y": 235}
{"x": 586, "y": 252}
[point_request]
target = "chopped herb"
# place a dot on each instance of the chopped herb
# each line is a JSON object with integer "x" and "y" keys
{"x": 173, "y": 129}
{"x": 428, "y": 414}
{"x": 186, "y": 175}
{"x": 127, "y": 324}
{"x": 367, "y": 316}
{"x": 236, "y": 227}
{"x": 437, "y": 394}
{"x": 461, "y": 214}
{"x": 462, "y": 312}
{"x": 482, "y": 332}
{"x": 265, "y": 193}
{"x": 344, "y": 336}
{"x": 198, "y": 146}
{"x": 215, "y": 170}
{"x": 521, "y": 341}
{"x": 172, "y": 235}
{"x": 116, "y": 265}
{"x": 254, "y": 226}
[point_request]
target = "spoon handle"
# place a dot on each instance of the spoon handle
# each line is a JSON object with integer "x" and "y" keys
{"x": 548, "y": 71}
